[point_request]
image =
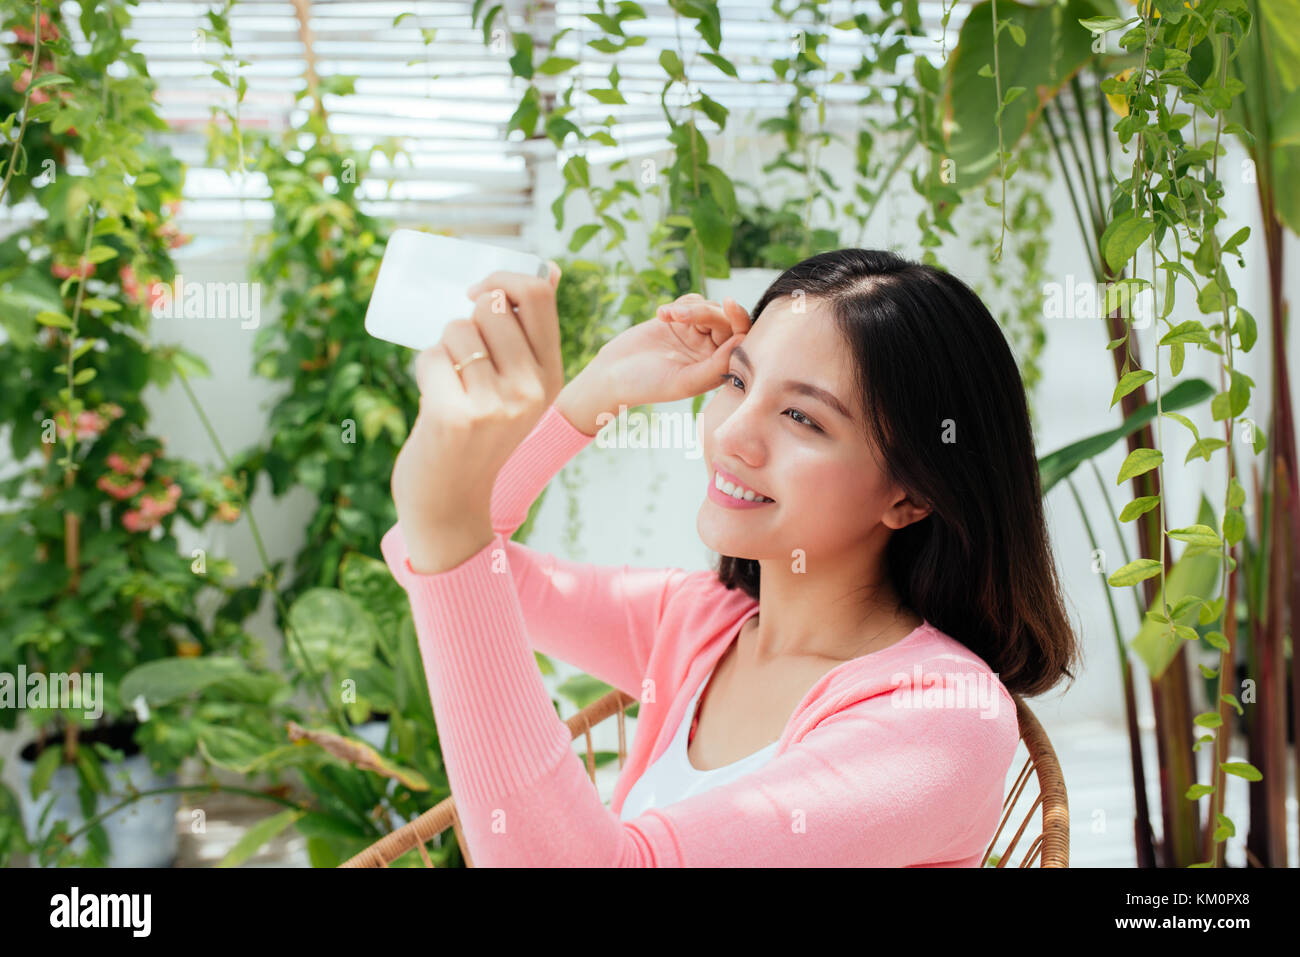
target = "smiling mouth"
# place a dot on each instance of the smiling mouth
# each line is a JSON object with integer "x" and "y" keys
{"x": 738, "y": 492}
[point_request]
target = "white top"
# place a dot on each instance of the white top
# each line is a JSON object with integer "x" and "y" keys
{"x": 673, "y": 778}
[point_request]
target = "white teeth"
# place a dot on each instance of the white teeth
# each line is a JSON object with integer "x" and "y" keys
{"x": 737, "y": 491}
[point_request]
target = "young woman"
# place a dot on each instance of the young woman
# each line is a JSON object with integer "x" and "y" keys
{"x": 836, "y": 693}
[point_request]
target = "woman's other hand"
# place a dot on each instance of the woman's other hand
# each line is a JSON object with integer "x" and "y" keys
{"x": 680, "y": 353}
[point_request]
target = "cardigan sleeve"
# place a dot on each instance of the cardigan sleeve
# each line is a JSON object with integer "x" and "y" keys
{"x": 871, "y": 785}
{"x": 600, "y": 619}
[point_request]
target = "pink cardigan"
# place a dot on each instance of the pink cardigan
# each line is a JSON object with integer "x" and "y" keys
{"x": 856, "y": 779}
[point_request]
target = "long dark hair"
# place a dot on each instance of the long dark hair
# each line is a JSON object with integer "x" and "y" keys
{"x": 946, "y": 415}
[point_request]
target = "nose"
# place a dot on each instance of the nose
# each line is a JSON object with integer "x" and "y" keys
{"x": 738, "y": 437}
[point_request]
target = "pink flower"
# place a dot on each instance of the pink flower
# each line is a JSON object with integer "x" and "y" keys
{"x": 129, "y": 467}
{"x": 227, "y": 511}
{"x": 84, "y": 270}
{"x": 49, "y": 32}
{"x": 156, "y": 508}
{"x": 107, "y": 484}
{"x": 171, "y": 232}
{"x": 112, "y": 410}
{"x": 134, "y": 521}
{"x": 130, "y": 285}
{"x": 89, "y": 424}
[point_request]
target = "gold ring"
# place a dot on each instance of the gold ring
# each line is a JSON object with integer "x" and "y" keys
{"x": 468, "y": 359}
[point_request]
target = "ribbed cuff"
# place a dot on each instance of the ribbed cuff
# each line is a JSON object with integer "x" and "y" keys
{"x": 552, "y": 442}
{"x": 498, "y": 728}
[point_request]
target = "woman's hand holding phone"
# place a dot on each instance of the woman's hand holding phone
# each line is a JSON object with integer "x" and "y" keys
{"x": 471, "y": 419}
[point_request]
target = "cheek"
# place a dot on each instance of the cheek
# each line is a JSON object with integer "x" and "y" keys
{"x": 847, "y": 493}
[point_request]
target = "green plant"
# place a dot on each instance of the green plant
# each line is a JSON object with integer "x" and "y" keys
{"x": 94, "y": 580}
{"x": 349, "y": 397}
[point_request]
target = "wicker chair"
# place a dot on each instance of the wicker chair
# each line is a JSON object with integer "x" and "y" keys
{"x": 1050, "y": 848}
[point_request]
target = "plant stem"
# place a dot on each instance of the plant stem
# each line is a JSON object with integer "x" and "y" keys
{"x": 26, "y": 107}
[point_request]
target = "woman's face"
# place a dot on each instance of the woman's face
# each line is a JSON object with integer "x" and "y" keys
{"x": 796, "y": 448}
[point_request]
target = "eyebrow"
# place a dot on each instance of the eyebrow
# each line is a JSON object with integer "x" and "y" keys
{"x": 803, "y": 388}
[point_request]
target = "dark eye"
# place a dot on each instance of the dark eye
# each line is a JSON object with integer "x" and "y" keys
{"x": 802, "y": 421}
{"x": 806, "y": 421}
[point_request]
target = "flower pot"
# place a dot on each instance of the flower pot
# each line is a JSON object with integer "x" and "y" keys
{"x": 142, "y": 834}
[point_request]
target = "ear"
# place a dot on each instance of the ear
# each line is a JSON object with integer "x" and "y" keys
{"x": 904, "y": 512}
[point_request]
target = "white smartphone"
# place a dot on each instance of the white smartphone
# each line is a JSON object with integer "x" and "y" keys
{"x": 422, "y": 281}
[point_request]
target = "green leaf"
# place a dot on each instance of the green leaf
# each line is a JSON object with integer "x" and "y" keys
{"x": 1192, "y": 574}
{"x": 44, "y": 768}
{"x": 1185, "y": 421}
{"x": 1139, "y": 506}
{"x": 555, "y": 65}
{"x": 1123, "y": 237}
{"x": 1234, "y": 526}
{"x": 50, "y": 79}
{"x": 1134, "y": 572}
{"x": 1242, "y": 769}
{"x": 334, "y": 632}
{"x": 99, "y": 254}
{"x": 582, "y": 235}
{"x": 169, "y": 679}
{"x": 48, "y": 318}
{"x": 257, "y": 835}
{"x": 722, "y": 63}
{"x": 1129, "y": 382}
{"x": 1217, "y": 639}
{"x": 583, "y": 689}
{"x": 84, "y": 376}
{"x": 1244, "y": 327}
{"x": 1190, "y": 331}
{"x": 1203, "y": 448}
{"x": 1201, "y": 535}
{"x": 1105, "y": 24}
{"x": 1055, "y": 48}
{"x": 1138, "y": 462}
